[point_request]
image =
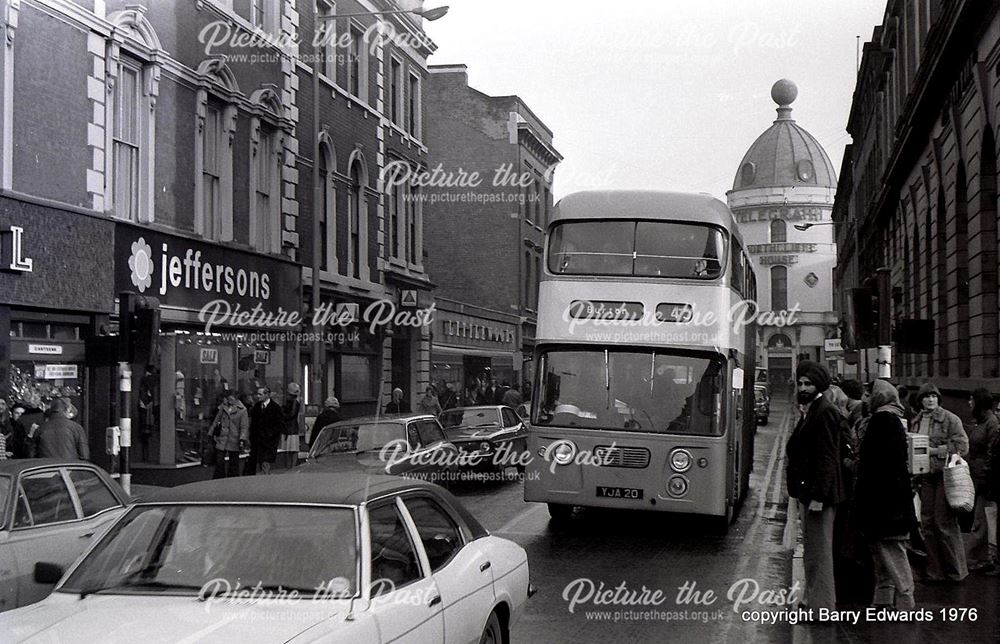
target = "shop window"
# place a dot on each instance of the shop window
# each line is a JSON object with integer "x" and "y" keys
{"x": 357, "y": 377}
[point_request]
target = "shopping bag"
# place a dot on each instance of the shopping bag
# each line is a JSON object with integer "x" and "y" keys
{"x": 958, "y": 486}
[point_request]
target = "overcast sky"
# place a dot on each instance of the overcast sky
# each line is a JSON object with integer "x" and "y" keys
{"x": 665, "y": 94}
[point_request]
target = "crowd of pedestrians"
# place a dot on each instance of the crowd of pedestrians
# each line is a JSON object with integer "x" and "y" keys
{"x": 871, "y": 527}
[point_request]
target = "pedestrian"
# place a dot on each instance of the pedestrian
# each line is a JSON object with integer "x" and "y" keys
{"x": 938, "y": 522}
{"x": 397, "y": 405}
{"x": 231, "y": 433}
{"x": 429, "y": 404}
{"x": 883, "y": 499}
{"x": 493, "y": 394}
{"x": 814, "y": 477}
{"x": 904, "y": 399}
{"x": 6, "y": 430}
{"x": 266, "y": 421}
{"x": 329, "y": 416}
{"x": 855, "y": 393}
{"x": 59, "y": 437}
{"x": 449, "y": 399}
{"x": 21, "y": 444}
{"x": 513, "y": 397}
{"x": 993, "y": 493}
{"x": 982, "y": 434}
{"x": 290, "y": 411}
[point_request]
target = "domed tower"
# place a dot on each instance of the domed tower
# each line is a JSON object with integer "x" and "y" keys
{"x": 784, "y": 183}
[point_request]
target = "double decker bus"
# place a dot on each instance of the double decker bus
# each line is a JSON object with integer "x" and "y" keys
{"x": 644, "y": 357}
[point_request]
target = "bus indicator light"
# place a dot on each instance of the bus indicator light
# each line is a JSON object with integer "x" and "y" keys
{"x": 677, "y": 485}
{"x": 703, "y": 462}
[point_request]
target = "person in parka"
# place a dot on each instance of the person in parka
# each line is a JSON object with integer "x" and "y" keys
{"x": 883, "y": 498}
{"x": 231, "y": 432}
{"x": 938, "y": 522}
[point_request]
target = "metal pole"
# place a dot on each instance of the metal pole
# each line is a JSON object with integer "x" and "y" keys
{"x": 884, "y": 325}
{"x": 316, "y": 358}
{"x": 125, "y": 422}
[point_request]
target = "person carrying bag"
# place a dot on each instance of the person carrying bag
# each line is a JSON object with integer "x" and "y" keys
{"x": 958, "y": 486}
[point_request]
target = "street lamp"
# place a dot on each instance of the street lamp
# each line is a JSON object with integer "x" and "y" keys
{"x": 316, "y": 357}
{"x": 808, "y": 226}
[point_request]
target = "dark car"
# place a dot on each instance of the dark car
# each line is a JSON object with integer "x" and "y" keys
{"x": 405, "y": 445}
{"x": 489, "y": 435}
{"x": 762, "y": 404}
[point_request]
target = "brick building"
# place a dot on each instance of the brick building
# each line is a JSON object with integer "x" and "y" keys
{"x": 785, "y": 181}
{"x": 484, "y": 230}
{"x": 918, "y": 190}
{"x": 167, "y": 148}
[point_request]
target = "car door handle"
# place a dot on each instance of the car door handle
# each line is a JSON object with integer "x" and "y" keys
{"x": 483, "y": 567}
{"x": 435, "y": 600}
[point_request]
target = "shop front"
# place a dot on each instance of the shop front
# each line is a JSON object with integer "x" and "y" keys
{"x": 471, "y": 346}
{"x": 229, "y": 322}
{"x": 55, "y": 293}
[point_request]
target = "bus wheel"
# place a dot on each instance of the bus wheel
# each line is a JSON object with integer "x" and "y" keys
{"x": 560, "y": 512}
{"x": 722, "y": 523}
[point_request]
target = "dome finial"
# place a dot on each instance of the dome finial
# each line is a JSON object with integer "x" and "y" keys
{"x": 784, "y": 92}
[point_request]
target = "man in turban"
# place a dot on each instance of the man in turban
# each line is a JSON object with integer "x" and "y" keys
{"x": 814, "y": 478}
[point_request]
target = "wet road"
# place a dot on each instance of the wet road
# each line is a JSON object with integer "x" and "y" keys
{"x": 749, "y": 568}
{"x": 680, "y": 558}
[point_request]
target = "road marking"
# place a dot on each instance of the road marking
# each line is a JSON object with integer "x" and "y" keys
{"x": 750, "y": 539}
{"x": 508, "y": 527}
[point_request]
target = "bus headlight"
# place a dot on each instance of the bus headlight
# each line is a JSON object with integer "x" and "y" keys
{"x": 484, "y": 446}
{"x": 562, "y": 452}
{"x": 677, "y": 485}
{"x": 680, "y": 460}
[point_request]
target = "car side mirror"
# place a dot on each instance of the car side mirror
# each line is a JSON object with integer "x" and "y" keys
{"x": 48, "y": 574}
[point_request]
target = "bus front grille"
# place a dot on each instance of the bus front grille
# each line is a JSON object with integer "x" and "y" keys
{"x": 634, "y": 457}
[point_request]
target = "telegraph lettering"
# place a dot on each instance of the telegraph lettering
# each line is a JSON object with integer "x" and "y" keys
{"x": 779, "y": 212}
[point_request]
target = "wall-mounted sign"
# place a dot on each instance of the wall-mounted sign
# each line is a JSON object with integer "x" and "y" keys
{"x": 190, "y": 273}
{"x": 788, "y": 213}
{"x": 782, "y": 248}
{"x": 45, "y": 349}
{"x": 60, "y": 372}
{"x": 12, "y": 257}
{"x": 262, "y": 356}
{"x": 832, "y": 345}
{"x": 778, "y": 259}
{"x": 408, "y": 297}
{"x": 811, "y": 280}
{"x": 209, "y": 356}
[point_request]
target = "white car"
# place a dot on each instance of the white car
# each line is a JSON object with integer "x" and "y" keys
{"x": 307, "y": 558}
{"x": 49, "y": 511}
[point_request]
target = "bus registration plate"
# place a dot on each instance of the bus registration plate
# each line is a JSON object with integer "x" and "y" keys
{"x": 619, "y": 492}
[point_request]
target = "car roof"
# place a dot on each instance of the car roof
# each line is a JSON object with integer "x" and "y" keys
{"x": 476, "y": 407}
{"x": 340, "y": 488}
{"x": 15, "y": 466}
{"x": 382, "y": 418}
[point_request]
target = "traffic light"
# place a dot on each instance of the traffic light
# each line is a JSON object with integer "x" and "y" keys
{"x": 866, "y": 317}
{"x": 138, "y": 328}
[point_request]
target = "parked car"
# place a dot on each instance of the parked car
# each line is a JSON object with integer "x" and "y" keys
{"x": 370, "y": 558}
{"x": 408, "y": 445}
{"x": 492, "y": 435}
{"x": 49, "y": 510}
{"x": 762, "y": 404}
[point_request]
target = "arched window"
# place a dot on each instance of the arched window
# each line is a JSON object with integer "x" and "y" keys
{"x": 357, "y": 204}
{"x": 779, "y": 231}
{"x": 779, "y": 341}
{"x": 961, "y": 303}
{"x": 527, "y": 279}
{"x": 779, "y": 288}
{"x": 326, "y": 209}
{"x": 941, "y": 234}
{"x": 215, "y": 119}
{"x": 988, "y": 233}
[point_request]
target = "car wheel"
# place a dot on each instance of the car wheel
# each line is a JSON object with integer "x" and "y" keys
{"x": 560, "y": 512}
{"x": 492, "y": 634}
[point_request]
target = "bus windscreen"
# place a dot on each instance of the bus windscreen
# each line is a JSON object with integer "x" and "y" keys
{"x": 639, "y": 391}
{"x": 638, "y": 249}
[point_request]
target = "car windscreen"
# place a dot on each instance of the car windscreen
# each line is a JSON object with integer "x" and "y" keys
{"x": 350, "y": 439}
{"x": 191, "y": 549}
{"x": 5, "y": 483}
{"x": 631, "y": 390}
{"x": 637, "y": 248}
{"x": 470, "y": 418}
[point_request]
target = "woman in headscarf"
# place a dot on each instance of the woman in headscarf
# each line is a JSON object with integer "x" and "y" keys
{"x": 981, "y": 435}
{"x": 938, "y": 522}
{"x": 883, "y": 498}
